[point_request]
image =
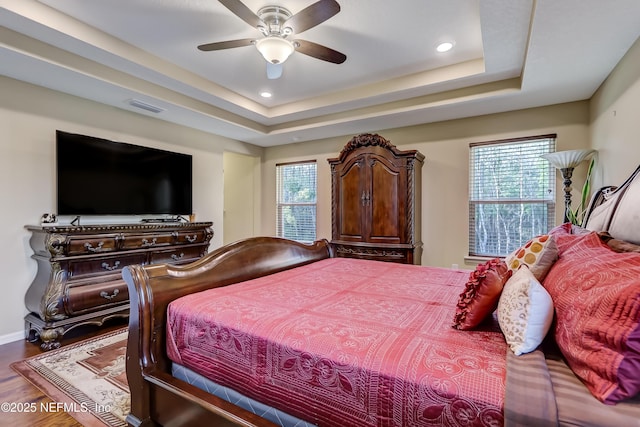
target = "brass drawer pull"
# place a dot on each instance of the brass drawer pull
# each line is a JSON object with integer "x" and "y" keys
{"x": 191, "y": 239}
{"x": 147, "y": 243}
{"x": 105, "y": 295}
{"x": 88, "y": 246}
{"x": 177, "y": 257}
{"x": 108, "y": 267}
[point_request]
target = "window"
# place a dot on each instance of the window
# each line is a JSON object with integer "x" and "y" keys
{"x": 296, "y": 201}
{"x": 511, "y": 194}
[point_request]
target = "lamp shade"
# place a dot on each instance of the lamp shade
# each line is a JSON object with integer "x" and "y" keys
{"x": 275, "y": 49}
{"x": 567, "y": 159}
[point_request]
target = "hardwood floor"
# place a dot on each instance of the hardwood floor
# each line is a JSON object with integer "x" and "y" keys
{"x": 15, "y": 389}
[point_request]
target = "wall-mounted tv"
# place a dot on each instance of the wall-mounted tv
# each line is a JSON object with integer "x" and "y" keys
{"x": 100, "y": 177}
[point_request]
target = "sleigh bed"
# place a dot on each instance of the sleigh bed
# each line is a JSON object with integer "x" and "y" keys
{"x": 268, "y": 332}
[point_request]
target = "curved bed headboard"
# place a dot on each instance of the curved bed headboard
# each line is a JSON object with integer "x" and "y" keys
{"x": 616, "y": 210}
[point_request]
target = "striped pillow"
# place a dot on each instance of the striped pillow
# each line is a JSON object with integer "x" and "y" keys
{"x": 596, "y": 293}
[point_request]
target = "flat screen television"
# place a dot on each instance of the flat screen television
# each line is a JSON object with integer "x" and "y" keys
{"x": 100, "y": 177}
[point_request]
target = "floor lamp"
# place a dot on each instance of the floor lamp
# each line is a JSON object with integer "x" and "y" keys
{"x": 566, "y": 161}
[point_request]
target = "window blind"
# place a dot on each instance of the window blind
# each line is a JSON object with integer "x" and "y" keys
{"x": 511, "y": 194}
{"x": 296, "y": 200}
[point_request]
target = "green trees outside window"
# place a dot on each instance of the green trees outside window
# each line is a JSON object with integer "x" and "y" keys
{"x": 296, "y": 201}
{"x": 511, "y": 194}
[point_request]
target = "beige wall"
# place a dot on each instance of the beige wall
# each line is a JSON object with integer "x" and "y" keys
{"x": 615, "y": 121}
{"x": 241, "y": 196}
{"x": 445, "y": 172}
{"x": 29, "y": 116}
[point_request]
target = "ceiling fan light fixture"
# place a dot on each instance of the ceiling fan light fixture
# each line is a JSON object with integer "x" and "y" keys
{"x": 275, "y": 49}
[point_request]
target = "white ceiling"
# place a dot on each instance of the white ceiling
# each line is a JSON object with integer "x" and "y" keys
{"x": 508, "y": 55}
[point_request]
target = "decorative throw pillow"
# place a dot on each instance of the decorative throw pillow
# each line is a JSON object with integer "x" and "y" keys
{"x": 538, "y": 254}
{"x": 565, "y": 228}
{"x": 481, "y": 294}
{"x": 566, "y": 235}
{"x": 596, "y": 293}
{"x": 568, "y": 228}
{"x": 525, "y": 312}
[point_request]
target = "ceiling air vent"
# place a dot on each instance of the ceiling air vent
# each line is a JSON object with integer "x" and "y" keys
{"x": 140, "y": 104}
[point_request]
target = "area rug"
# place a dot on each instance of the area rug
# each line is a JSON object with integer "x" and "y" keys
{"x": 86, "y": 379}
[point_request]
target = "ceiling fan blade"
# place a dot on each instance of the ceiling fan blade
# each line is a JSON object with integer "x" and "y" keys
{"x": 313, "y": 15}
{"x": 226, "y": 45}
{"x": 274, "y": 71}
{"x": 243, "y": 12}
{"x": 320, "y": 52}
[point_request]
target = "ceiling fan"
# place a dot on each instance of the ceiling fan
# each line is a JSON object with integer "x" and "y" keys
{"x": 277, "y": 24}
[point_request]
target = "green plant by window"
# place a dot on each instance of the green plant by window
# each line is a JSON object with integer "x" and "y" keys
{"x": 576, "y": 216}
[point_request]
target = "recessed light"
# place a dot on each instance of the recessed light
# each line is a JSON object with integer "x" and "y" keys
{"x": 444, "y": 47}
{"x": 266, "y": 94}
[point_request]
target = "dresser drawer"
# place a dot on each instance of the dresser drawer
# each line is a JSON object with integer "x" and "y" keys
{"x": 92, "y": 245}
{"x": 178, "y": 255}
{"x": 83, "y": 298}
{"x": 103, "y": 265}
{"x": 147, "y": 241}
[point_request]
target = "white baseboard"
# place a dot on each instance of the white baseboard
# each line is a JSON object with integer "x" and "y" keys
{"x": 15, "y": 336}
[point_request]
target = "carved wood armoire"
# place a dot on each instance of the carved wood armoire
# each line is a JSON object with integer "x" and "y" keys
{"x": 376, "y": 201}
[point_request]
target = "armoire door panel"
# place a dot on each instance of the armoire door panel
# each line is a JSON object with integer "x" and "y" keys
{"x": 351, "y": 206}
{"x": 385, "y": 203}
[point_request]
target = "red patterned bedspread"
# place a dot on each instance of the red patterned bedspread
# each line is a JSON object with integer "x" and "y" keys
{"x": 345, "y": 342}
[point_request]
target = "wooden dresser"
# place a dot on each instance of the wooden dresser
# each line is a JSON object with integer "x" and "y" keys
{"x": 376, "y": 200}
{"x": 79, "y": 270}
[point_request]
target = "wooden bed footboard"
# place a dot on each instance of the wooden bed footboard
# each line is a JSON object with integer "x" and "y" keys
{"x": 156, "y": 397}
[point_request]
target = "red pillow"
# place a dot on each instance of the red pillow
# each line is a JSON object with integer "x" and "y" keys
{"x": 565, "y": 235}
{"x": 596, "y": 294}
{"x": 481, "y": 294}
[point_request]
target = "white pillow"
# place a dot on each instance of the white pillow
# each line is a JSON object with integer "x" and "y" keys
{"x": 525, "y": 312}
